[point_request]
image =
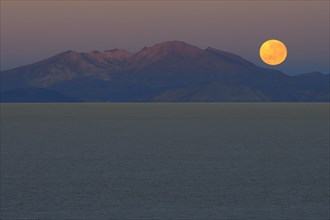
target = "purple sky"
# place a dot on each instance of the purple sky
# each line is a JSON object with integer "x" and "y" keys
{"x": 35, "y": 30}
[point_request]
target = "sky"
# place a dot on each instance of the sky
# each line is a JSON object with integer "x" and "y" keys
{"x": 35, "y": 30}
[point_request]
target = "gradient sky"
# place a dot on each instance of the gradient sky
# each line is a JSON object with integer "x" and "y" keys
{"x": 35, "y": 30}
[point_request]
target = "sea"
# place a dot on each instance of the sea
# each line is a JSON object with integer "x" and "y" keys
{"x": 185, "y": 161}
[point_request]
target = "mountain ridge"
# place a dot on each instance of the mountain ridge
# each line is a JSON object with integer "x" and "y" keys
{"x": 169, "y": 71}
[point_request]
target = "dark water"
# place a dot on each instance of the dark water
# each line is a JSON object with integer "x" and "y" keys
{"x": 165, "y": 161}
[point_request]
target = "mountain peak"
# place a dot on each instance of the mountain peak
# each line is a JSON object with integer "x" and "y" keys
{"x": 178, "y": 46}
{"x": 173, "y": 43}
{"x": 118, "y": 53}
{"x": 69, "y": 54}
{"x": 167, "y": 49}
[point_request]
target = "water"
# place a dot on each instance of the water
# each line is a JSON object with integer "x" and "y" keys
{"x": 165, "y": 161}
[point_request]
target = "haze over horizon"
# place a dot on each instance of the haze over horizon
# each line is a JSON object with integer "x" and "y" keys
{"x": 34, "y": 30}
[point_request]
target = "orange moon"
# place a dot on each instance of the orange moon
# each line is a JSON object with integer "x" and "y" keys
{"x": 273, "y": 52}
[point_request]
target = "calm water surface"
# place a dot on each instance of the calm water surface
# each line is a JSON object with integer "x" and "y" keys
{"x": 165, "y": 161}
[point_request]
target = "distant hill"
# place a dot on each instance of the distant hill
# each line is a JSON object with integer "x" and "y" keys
{"x": 171, "y": 71}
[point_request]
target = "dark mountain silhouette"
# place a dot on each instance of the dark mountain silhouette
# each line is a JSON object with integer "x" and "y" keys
{"x": 171, "y": 71}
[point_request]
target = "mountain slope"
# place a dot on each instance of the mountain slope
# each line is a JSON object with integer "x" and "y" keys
{"x": 35, "y": 95}
{"x": 171, "y": 71}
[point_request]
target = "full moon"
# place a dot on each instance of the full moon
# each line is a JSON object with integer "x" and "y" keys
{"x": 273, "y": 52}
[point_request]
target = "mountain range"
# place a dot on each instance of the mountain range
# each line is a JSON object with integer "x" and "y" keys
{"x": 171, "y": 71}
